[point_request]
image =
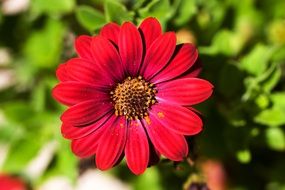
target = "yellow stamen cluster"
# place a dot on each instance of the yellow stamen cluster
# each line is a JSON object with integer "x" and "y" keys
{"x": 133, "y": 97}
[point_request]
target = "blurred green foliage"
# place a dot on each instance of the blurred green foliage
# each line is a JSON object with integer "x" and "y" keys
{"x": 242, "y": 47}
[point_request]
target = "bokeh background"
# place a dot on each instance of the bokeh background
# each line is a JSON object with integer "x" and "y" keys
{"x": 242, "y": 47}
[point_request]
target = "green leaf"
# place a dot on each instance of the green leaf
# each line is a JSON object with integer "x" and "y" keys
{"x": 21, "y": 153}
{"x": 149, "y": 180}
{"x": 257, "y": 60}
{"x": 117, "y": 12}
{"x": 25, "y": 72}
{"x": 225, "y": 42}
{"x": 262, "y": 101}
{"x": 252, "y": 88}
{"x": 275, "y": 139}
{"x": 187, "y": 9}
{"x": 67, "y": 162}
{"x": 279, "y": 55}
{"x": 10, "y": 132}
{"x": 243, "y": 156}
{"x": 38, "y": 97}
{"x": 277, "y": 32}
{"x": 210, "y": 16}
{"x": 264, "y": 82}
{"x": 272, "y": 80}
{"x": 276, "y": 185}
{"x": 43, "y": 47}
{"x": 17, "y": 111}
{"x": 278, "y": 100}
{"x": 271, "y": 117}
{"x": 160, "y": 9}
{"x": 51, "y": 7}
{"x": 138, "y": 3}
{"x": 90, "y": 18}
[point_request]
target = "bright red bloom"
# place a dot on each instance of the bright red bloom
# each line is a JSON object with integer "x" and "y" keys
{"x": 11, "y": 183}
{"x": 131, "y": 90}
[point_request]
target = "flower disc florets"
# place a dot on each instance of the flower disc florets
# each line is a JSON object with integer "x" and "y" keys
{"x": 133, "y": 97}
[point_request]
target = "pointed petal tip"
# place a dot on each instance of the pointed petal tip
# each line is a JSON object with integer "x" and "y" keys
{"x": 71, "y": 93}
{"x": 56, "y": 94}
{"x": 185, "y": 91}
{"x": 111, "y": 31}
{"x": 110, "y": 24}
{"x": 101, "y": 166}
{"x": 112, "y": 143}
{"x": 168, "y": 143}
{"x": 178, "y": 119}
{"x": 170, "y": 35}
{"x": 82, "y": 37}
{"x": 61, "y": 73}
{"x": 130, "y": 48}
{"x": 193, "y": 49}
{"x": 82, "y": 46}
{"x": 184, "y": 57}
{"x": 151, "y": 21}
{"x": 137, "y": 148}
{"x": 53, "y": 91}
{"x": 158, "y": 54}
{"x": 151, "y": 18}
{"x": 62, "y": 131}
{"x": 138, "y": 171}
{"x": 107, "y": 57}
{"x": 209, "y": 86}
{"x": 150, "y": 30}
{"x": 128, "y": 25}
{"x": 82, "y": 40}
{"x": 86, "y": 112}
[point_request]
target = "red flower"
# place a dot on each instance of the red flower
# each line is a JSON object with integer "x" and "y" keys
{"x": 131, "y": 90}
{"x": 11, "y": 183}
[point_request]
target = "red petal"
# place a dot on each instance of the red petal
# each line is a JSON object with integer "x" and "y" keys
{"x": 71, "y": 132}
{"x": 112, "y": 143}
{"x": 86, "y": 112}
{"x": 87, "y": 146}
{"x": 70, "y": 93}
{"x": 130, "y": 47}
{"x": 177, "y": 118}
{"x": 85, "y": 71}
{"x": 167, "y": 142}
{"x": 111, "y": 32}
{"x": 186, "y": 56}
{"x": 83, "y": 46}
{"x": 62, "y": 74}
{"x": 151, "y": 30}
{"x": 158, "y": 55}
{"x": 194, "y": 71}
{"x": 186, "y": 91}
{"x": 107, "y": 57}
{"x": 137, "y": 148}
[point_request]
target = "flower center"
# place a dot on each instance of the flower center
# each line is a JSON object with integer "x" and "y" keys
{"x": 133, "y": 97}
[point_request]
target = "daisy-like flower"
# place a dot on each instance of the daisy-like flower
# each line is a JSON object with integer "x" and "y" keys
{"x": 129, "y": 93}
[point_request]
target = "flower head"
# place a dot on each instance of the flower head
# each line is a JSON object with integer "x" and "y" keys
{"x": 129, "y": 93}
